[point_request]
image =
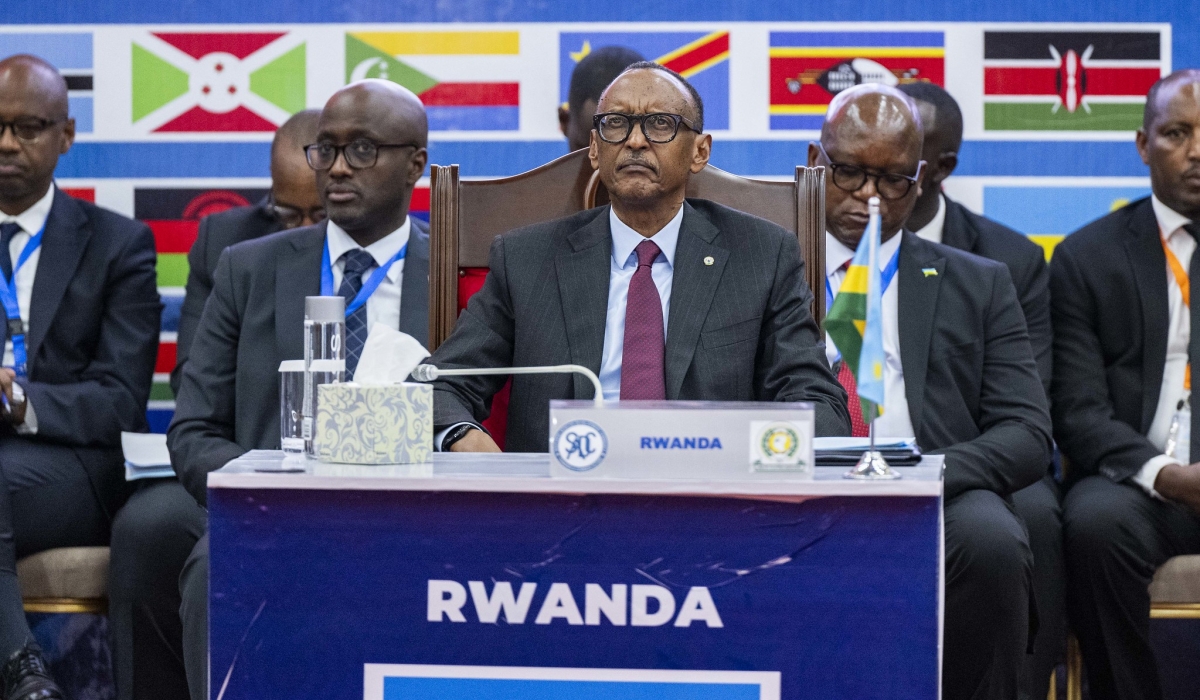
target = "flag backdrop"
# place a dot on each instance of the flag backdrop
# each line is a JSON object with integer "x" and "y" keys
{"x": 175, "y": 117}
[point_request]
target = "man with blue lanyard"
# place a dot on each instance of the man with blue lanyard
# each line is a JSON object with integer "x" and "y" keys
{"x": 959, "y": 374}
{"x": 79, "y": 294}
{"x": 368, "y": 155}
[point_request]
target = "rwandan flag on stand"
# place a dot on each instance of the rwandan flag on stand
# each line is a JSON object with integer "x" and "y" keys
{"x": 855, "y": 323}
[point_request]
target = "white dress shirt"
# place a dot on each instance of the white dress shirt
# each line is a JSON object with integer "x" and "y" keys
{"x": 384, "y": 305}
{"x": 623, "y": 264}
{"x": 895, "y": 421}
{"x": 932, "y": 231}
{"x": 1170, "y": 227}
{"x": 31, "y": 221}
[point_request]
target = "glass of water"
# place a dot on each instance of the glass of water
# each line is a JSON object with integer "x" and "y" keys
{"x": 291, "y": 409}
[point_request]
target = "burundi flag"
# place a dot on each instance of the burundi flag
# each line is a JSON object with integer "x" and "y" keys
{"x": 855, "y": 323}
{"x": 217, "y": 82}
{"x": 809, "y": 68}
{"x": 701, "y": 57}
{"x": 1048, "y": 213}
{"x": 1053, "y": 81}
{"x": 71, "y": 54}
{"x": 468, "y": 80}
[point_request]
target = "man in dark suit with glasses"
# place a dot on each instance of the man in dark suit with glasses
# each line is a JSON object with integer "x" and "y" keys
{"x": 662, "y": 297}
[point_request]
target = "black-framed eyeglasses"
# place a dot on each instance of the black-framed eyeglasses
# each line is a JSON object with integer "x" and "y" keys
{"x": 292, "y": 217}
{"x": 660, "y": 127}
{"x": 359, "y": 153}
{"x": 851, "y": 178}
{"x": 27, "y": 129}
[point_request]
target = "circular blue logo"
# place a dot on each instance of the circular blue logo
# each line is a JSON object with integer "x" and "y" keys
{"x": 580, "y": 445}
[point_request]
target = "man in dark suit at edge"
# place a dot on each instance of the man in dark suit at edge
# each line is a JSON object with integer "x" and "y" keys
{"x": 292, "y": 202}
{"x": 940, "y": 219}
{"x": 960, "y": 377}
{"x": 78, "y": 358}
{"x": 662, "y": 297}
{"x": 1124, "y": 345}
{"x": 154, "y": 533}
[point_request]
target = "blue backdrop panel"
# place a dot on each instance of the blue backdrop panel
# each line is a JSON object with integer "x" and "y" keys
{"x": 308, "y": 586}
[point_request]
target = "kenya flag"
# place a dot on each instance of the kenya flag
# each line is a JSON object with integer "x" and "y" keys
{"x": 1068, "y": 80}
{"x": 217, "y": 82}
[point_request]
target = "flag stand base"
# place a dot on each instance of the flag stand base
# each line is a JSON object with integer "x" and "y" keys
{"x": 872, "y": 467}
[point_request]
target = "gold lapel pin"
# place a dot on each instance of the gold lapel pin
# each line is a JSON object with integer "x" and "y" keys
{"x": 929, "y": 271}
{"x": 709, "y": 260}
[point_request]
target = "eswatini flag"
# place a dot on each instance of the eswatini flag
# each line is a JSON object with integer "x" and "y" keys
{"x": 468, "y": 80}
{"x": 1053, "y": 81}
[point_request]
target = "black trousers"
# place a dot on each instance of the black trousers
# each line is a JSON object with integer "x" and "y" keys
{"x": 989, "y": 566}
{"x": 1040, "y": 509}
{"x": 1116, "y": 537}
{"x": 193, "y": 587}
{"x": 152, "y": 537}
{"x": 46, "y": 501}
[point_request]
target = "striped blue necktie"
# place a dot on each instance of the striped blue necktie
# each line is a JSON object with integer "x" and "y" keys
{"x": 356, "y": 263}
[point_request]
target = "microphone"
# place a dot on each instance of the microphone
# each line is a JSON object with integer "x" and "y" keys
{"x": 428, "y": 373}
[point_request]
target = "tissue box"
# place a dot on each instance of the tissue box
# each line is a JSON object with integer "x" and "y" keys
{"x": 388, "y": 424}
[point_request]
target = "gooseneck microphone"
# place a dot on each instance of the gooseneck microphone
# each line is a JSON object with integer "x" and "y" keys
{"x": 428, "y": 373}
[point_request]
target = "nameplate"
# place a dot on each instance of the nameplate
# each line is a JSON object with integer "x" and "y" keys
{"x": 681, "y": 440}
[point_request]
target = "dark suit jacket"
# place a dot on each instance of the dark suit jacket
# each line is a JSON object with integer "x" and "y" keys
{"x": 93, "y": 336}
{"x": 228, "y": 400}
{"x": 1109, "y": 292}
{"x": 217, "y": 232}
{"x": 1026, "y": 261}
{"x": 738, "y": 330}
{"x": 972, "y": 385}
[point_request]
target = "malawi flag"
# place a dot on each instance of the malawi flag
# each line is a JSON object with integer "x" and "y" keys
{"x": 468, "y": 81}
{"x": 1051, "y": 81}
{"x": 855, "y": 323}
{"x": 809, "y": 68}
{"x": 217, "y": 82}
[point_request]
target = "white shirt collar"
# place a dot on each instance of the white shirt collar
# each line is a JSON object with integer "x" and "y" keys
{"x": 382, "y": 250}
{"x": 1169, "y": 220}
{"x": 837, "y": 254}
{"x": 34, "y": 218}
{"x": 625, "y": 239}
{"x": 932, "y": 231}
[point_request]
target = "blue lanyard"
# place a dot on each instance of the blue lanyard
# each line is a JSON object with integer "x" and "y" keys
{"x": 12, "y": 308}
{"x": 885, "y": 276}
{"x": 368, "y": 287}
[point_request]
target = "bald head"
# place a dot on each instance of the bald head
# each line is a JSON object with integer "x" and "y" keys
{"x": 1166, "y": 88}
{"x": 371, "y": 202}
{"x": 871, "y": 133}
{"x": 33, "y": 96}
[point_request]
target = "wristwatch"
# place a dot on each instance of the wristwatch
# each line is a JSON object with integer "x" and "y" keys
{"x": 452, "y": 437}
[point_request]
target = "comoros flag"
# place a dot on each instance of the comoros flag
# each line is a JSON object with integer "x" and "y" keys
{"x": 855, "y": 323}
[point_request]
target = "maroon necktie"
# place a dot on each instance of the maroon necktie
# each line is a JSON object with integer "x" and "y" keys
{"x": 643, "y": 347}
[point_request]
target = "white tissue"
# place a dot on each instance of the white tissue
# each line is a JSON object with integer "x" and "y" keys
{"x": 388, "y": 357}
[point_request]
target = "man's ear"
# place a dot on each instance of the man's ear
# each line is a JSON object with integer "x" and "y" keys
{"x": 417, "y": 166}
{"x": 68, "y": 135}
{"x": 1143, "y": 145}
{"x": 594, "y": 150}
{"x": 564, "y": 120}
{"x": 701, "y": 153}
{"x": 813, "y": 154}
{"x": 947, "y": 161}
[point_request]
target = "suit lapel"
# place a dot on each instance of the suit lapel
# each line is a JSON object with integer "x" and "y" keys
{"x": 414, "y": 285}
{"x": 582, "y": 266}
{"x": 1144, "y": 251}
{"x": 63, "y": 243}
{"x": 916, "y": 309}
{"x": 296, "y": 276}
{"x": 693, "y": 286}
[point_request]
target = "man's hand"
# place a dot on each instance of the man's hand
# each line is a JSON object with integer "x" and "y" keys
{"x": 1180, "y": 484}
{"x": 16, "y": 411}
{"x": 475, "y": 441}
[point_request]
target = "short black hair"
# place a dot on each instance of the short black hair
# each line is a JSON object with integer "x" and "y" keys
{"x": 595, "y": 71}
{"x": 947, "y": 115}
{"x": 694, "y": 96}
{"x": 1151, "y": 110}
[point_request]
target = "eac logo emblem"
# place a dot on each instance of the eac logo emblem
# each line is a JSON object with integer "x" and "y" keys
{"x": 580, "y": 445}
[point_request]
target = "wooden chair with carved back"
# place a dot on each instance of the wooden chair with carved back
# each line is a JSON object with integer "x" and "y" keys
{"x": 466, "y": 215}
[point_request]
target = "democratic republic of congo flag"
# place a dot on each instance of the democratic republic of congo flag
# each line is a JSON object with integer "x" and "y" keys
{"x": 855, "y": 323}
{"x": 809, "y": 68}
{"x": 217, "y": 81}
{"x": 1068, "y": 81}
{"x": 701, "y": 57}
{"x": 468, "y": 80}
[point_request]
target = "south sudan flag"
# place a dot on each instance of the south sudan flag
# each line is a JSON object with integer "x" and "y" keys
{"x": 855, "y": 323}
{"x": 1054, "y": 81}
